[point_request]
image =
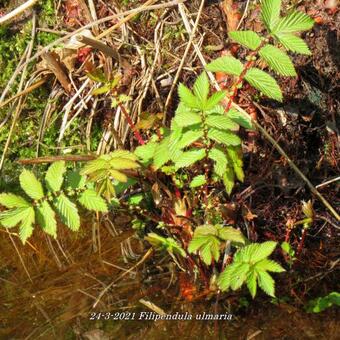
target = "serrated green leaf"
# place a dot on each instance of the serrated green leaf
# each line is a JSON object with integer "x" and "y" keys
{"x": 214, "y": 99}
{"x": 277, "y": 60}
{"x": 218, "y": 155}
{"x": 75, "y": 180}
{"x": 95, "y": 165}
{"x": 263, "y": 82}
{"x": 26, "y": 227}
{"x": 293, "y": 43}
{"x": 101, "y": 90}
{"x": 218, "y": 109}
{"x": 187, "y": 118}
{"x": 55, "y": 176}
{"x": 235, "y": 156}
{"x": 162, "y": 243}
{"x": 224, "y": 279}
{"x": 67, "y": 211}
{"x": 264, "y": 250}
{"x": 238, "y": 275}
{"x": 198, "y": 181}
{"x": 231, "y": 234}
{"x": 117, "y": 175}
{"x": 92, "y": 201}
{"x": 270, "y": 13}
{"x": 294, "y": 22}
{"x": 162, "y": 154}
{"x": 121, "y": 163}
{"x": 188, "y": 98}
{"x": 229, "y": 179}
{"x": 10, "y": 218}
{"x": 189, "y": 137}
{"x": 189, "y": 157}
{"x": 120, "y": 154}
{"x": 247, "y": 39}
{"x": 31, "y": 185}
{"x": 251, "y": 283}
{"x": 201, "y": 87}
{"x": 226, "y": 64}
{"x": 197, "y": 242}
{"x": 146, "y": 152}
{"x": 269, "y": 265}
{"x": 266, "y": 283}
{"x": 9, "y": 201}
{"x": 46, "y": 218}
{"x": 221, "y": 122}
{"x": 241, "y": 119}
{"x": 224, "y": 137}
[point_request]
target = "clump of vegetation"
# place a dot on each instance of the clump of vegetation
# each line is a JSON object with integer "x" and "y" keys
{"x": 202, "y": 147}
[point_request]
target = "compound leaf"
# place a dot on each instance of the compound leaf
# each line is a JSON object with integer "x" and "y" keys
{"x": 214, "y": 99}
{"x": 10, "y": 218}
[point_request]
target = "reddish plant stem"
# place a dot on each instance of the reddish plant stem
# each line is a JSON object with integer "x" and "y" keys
{"x": 302, "y": 242}
{"x": 240, "y": 79}
{"x": 135, "y": 131}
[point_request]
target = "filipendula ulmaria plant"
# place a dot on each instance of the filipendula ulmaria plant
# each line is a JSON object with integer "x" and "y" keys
{"x": 281, "y": 35}
{"x": 200, "y": 131}
{"x": 43, "y": 204}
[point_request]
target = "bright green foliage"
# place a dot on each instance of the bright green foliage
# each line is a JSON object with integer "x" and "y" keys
{"x": 162, "y": 243}
{"x": 247, "y": 39}
{"x": 251, "y": 266}
{"x": 263, "y": 82}
{"x": 282, "y": 29}
{"x": 270, "y": 11}
{"x": 277, "y": 60}
{"x": 227, "y": 64}
{"x": 198, "y": 181}
{"x": 41, "y": 209}
{"x": 109, "y": 167}
{"x": 294, "y": 22}
{"x": 200, "y": 119}
{"x": 208, "y": 239}
{"x": 320, "y": 304}
{"x": 293, "y": 43}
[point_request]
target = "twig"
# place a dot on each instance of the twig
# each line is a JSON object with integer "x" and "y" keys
{"x": 336, "y": 179}
{"x": 54, "y": 66}
{"x": 51, "y": 159}
{"x": 180, "y": 67}
{"x": 17, "y": 11}
{"x": 24, "y": 92}
{"x": 99, "y": 46}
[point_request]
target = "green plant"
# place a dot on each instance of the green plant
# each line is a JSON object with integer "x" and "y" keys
{"x": 251, "y": 266}
{"x": 320, "y": 304}
{"x": 41, "y": 204}
{"x": 200, "y": 132}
